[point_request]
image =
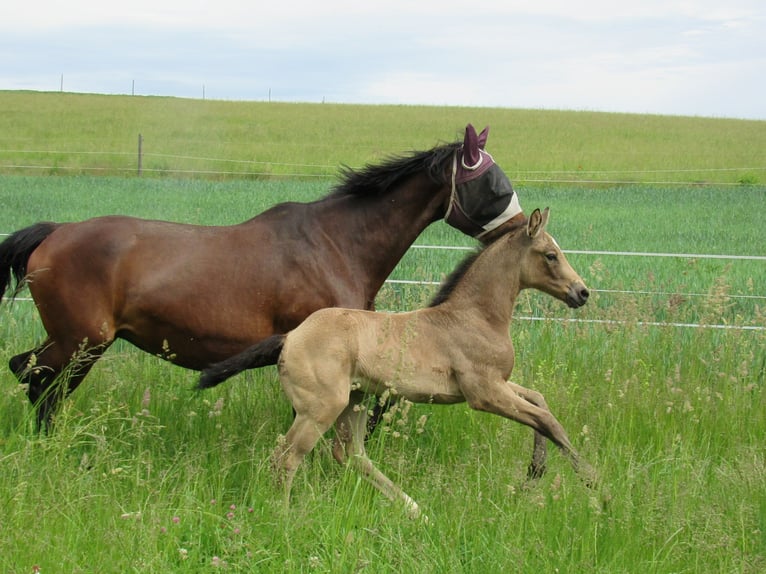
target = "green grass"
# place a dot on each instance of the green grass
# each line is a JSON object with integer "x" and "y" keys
{"x": 672, "y": 418}
{"x": 144, "y": 475}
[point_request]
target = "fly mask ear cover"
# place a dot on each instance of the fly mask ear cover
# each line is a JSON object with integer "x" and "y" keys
{"x": 482, "y": 196}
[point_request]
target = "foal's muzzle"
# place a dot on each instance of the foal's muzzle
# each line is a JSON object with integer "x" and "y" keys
{"x": 577, "y": 296}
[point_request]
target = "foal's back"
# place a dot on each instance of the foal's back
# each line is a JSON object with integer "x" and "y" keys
{"x": 414, "y": 354}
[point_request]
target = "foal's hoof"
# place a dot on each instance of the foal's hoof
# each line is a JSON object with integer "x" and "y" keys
{"x": 589, "y": 477}
{"x": 413, "y": 512}
{"x": 536, "y": 471}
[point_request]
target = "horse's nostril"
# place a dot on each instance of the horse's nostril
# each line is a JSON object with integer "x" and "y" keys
{"x": 584, "y": 293}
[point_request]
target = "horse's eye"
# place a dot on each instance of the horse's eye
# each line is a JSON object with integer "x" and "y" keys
{"x": 551, "y": 256}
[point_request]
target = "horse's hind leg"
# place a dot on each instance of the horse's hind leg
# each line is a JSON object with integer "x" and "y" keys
{"x": 51, "y": 373}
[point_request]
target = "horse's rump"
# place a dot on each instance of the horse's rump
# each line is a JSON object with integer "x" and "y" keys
{"x": 15, "y": 252}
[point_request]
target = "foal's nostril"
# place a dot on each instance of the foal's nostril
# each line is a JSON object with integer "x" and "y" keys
{"x": 584, "y": 293}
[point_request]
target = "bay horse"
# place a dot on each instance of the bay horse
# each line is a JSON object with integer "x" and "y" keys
{"x": 199, "y": 294}
{"x": 456, "y": 350}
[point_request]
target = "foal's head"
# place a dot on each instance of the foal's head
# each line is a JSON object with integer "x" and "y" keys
{"x": 545, "y": 267}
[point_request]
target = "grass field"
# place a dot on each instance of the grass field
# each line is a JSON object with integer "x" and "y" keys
{"x": 60, "y": 133}
{"x": 143, "y": 475}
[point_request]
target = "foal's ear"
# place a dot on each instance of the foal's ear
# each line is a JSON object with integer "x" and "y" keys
{"x": 537, "y": 222}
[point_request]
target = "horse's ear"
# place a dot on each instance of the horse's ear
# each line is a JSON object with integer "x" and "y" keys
{"x": 483, "y": 137}
{"x": 537, "y": 222}
{"x": 471, "y": 146}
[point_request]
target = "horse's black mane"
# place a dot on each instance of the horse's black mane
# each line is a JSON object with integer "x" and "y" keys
{"x": 379, "y": 178}
{"x": 452, "y": 280}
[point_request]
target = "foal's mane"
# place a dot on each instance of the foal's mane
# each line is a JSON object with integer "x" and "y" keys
{"x": 454, "y": 278}
{"x": 379, "y": 178}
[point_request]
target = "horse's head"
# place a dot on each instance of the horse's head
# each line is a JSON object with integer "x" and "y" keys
{"x": 482, "y": 197}
{"x": 545, "y": 267}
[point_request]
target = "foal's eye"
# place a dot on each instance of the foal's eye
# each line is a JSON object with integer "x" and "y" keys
{"x": 551, "y": 256}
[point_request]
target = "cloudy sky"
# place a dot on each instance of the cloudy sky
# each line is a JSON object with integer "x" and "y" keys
{"x": 692, "y": 57}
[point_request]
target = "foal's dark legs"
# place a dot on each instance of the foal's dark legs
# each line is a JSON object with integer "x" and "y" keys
{"x": 378, "y": 410}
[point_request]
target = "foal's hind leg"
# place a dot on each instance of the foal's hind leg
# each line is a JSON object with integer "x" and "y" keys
{"x": 351, "y": 429}
{"x": 314, "y": 416}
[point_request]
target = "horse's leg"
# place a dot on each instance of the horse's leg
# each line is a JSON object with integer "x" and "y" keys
{"x": 351, "y": 430}
{"x": 53, "y": 371}
{"x": 508, "y": 400}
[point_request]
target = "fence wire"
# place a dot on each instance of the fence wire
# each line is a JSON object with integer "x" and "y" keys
{"x": 304, "y": 170}
{"x": 288, "y": 169}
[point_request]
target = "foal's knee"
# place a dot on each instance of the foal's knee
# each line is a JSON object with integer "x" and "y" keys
{"x": 537, "y": 399}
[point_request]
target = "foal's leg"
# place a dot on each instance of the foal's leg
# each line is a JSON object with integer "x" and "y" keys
{"x": 508, "y": 400}
{"x": 316, "y": 409}
{"x": 351, "y": 428}
{"x": 537, "y": 466}
{"x": 303, "y": 435}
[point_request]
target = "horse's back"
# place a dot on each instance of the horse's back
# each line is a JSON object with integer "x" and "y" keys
{"x": 91, "y": 251}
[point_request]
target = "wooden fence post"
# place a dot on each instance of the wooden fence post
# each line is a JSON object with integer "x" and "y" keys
{"x": 140, "y": 153}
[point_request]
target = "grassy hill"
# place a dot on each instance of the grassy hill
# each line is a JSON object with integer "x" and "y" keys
{"x": 81, "y": 133}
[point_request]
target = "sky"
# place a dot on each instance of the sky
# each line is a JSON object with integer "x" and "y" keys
{"x": 691, "y": 57}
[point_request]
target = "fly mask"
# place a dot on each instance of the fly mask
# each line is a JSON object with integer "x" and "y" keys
{"x": 482, "y": 197}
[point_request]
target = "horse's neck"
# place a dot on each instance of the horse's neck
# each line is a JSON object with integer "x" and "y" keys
{"x": 381, "y": 228}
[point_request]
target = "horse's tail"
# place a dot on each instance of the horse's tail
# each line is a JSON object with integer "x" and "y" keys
{"x": 263, "y": 353}
{"x": 15, "y": 252}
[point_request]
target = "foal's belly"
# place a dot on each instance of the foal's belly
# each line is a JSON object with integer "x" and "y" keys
{"x": 441, "y": 392}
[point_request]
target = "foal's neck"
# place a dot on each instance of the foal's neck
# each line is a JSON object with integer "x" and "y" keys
{"x": 492, "y": 284}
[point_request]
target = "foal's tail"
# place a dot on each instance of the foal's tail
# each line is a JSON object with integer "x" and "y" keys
{"x": 263, "y": 353}
{"x": 15, "y": 252}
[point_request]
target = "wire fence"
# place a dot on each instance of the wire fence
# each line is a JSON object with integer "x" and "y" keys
{"x": 134, "y": 163}
{"x": 669, "y": 294}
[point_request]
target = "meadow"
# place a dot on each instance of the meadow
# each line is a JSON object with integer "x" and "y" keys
{"x": 145, "y": 475}
{"x": 62, "y": 133}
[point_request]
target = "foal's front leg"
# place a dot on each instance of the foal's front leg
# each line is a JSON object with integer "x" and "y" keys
{"x": 538, "y": 465}
{"x": 517, "y": 403}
